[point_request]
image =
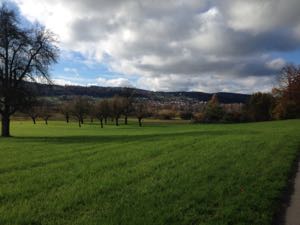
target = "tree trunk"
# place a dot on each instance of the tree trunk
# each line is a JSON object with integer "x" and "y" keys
{"x": 140, "y": 122}
{"x": 33, "y": 119}
{"x": 67, "y": 118}
{"x": 5, "y": 125}
{"x": 117, "y": 121}
{"x": 101, "y": 121}
{"x": 79, "y": 123}
{"x": 46, "y": 121}
{"x": 126, "y": 120}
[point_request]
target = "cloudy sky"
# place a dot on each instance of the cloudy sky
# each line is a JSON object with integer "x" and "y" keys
{"x": 171, "y": 45}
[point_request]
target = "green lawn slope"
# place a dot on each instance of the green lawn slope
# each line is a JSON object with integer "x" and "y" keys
{"x": 160, "y": 174}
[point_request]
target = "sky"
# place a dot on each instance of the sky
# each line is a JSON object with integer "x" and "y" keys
{"x": 171, "y": 45}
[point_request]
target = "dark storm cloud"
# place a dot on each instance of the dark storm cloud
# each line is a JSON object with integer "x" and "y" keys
{"x": 198, "y": 66}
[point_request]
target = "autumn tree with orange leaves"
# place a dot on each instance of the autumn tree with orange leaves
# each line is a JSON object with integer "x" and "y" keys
{"x": 288, "y": 94}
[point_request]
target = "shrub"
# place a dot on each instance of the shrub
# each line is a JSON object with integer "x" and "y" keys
{"x": 292, "y": 110}
{"x": 185, "y": 115}
{"x": 198, "y": 117}
{"x": 232, "y": 117}
{"x": 213, "y": 111}
{"x": 260, "y": 106}
{"x": 214, "y": 114}
{"x": 165, "y": 114}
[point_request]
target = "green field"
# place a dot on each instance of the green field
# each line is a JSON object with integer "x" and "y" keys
{"x": 156, "y": 175}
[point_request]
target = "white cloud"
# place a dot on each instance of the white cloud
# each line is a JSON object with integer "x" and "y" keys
{"x": 116, "y": 82}
{"x": 178, "y": 44}
{"x": 276, "y": 64}
{"x": 208, "y": 83}
{"x": 63, "y": 82}
{"x": 262, "y": 16}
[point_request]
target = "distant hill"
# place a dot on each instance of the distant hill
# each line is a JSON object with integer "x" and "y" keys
{"x": 106, "y": 92}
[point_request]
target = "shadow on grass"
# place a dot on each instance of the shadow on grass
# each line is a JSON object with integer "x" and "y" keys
{"x": 130, "y": 138}
{"x": 90, "y": 141}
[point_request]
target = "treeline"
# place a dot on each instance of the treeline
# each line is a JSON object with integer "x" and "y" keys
{"x": 81, "y": 108}
{"x": 282, "y": 103}
{"x": 46, "y": 90}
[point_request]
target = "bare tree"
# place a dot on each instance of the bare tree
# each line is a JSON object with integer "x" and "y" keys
{"x": 127, "y": 101}
{"x": 127, "y": 108}
{"x": 65, "y": 109}
{"x": 32, "y": 108}
{"x": 116, "y": 105}
{"x": 25, "y": 54}
{"x": 79, "y": 108}
{"x": 105, "y": 109}
{"x": 92, "y": 109}
{"x": 45, "y": 110}
{"x": 141, "y": 111}
{"x": 101, "y": 110}
{"x": 33, "y": 113}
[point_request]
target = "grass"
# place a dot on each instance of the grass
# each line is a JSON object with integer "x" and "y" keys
{"x": 156, "y": 175}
